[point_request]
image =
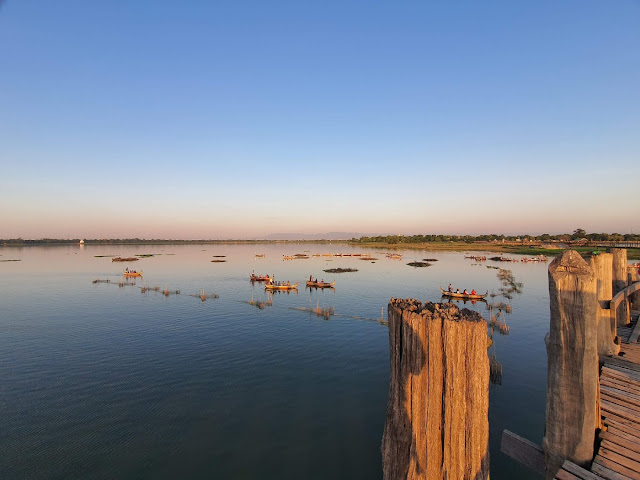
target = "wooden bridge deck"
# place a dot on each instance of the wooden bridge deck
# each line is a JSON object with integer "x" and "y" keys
{"x": 618, "y": 450}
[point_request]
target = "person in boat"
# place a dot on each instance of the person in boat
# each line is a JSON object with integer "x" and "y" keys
{"x": 126, "y": 269}
{"x": 473, "y": 292}
{"x": 465, "y": 292}
{"x": 457, "y": 290}
{"x": 450, "y": 288}
{"x": 310, "y": 277}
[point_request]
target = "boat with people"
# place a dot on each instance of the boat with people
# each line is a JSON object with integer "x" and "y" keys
{"x": 132, "y": 273}
{"x": 260, "y": 278}
{"x": 458, "y": 294}
{"x": 317, "y": 284}
{"x": 281, "y": 286}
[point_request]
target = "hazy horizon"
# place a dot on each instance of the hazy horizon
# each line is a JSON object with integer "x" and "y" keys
{"x": 228, "y": 120}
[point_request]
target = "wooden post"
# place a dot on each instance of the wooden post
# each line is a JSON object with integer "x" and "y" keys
{"x": 602, "y": 266}
{"x": 634, "y": 298}
{"x": 572, "y": 378}
{"x": 620, "y": 283}
{"x": 437, "y": 416}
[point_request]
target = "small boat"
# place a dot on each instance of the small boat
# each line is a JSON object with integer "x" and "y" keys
{"x": 283, "y": 286}
{"x": 260, "y": 278}
{"x": 463, "y": 295}
{"x": 132, "y": 273}
{"x": 477, "y": 258}
{"x": 321, "y": 284}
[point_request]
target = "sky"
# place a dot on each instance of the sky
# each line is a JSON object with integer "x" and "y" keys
{"x": 240, "y": 119}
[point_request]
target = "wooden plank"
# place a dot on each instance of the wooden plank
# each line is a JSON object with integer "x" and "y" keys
{"x": 608, "y": 473}
{"x": 522, "y": 450}
{"x": 564, "y": 475}
{"x": 628, "y": 443}
{"x": 613, "y": 420}
{"x": 623, "y": 431}
{"x": 624, "y": 369}
{"x": 621, "y": 400}
{"x": 616, "y": 377}
{"x": 636, "y": 333}
{"x": 619, "y": 388}
{"x": 628, "y": 352}
{"x": 624, "y": 373}
{"x": 605, "y": 462}
{"x": 578, "y": 471}
{"x": 620, "y": 460}
{"x": 614, "y": 447}
{"x": 607, "y": 371}
{"x": 620, "y": 361}
{"x": 624, "y": 384}
{"x": 616, "y": 435}
{"x": 618, "y": 383}
{"x": 616, "y": 431}
{"x": 619, "y": 410}
{"x": 630, "y": 398}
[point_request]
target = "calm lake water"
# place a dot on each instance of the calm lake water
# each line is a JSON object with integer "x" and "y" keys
{"x": 98, "y": 381}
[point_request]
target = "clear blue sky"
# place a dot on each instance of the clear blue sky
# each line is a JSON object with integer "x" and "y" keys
{"x": 242, "y": 118}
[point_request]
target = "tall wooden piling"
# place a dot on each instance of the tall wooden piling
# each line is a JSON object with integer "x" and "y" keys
{"x": 572, "y": 379}
{"x": 620, "y": 283}
{"x": 634, "y": 298}
{"x": 437, "y": 422}
{"x": 602, "y": 266}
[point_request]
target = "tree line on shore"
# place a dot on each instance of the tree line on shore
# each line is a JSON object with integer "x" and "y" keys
{"x": 577, "y": 236}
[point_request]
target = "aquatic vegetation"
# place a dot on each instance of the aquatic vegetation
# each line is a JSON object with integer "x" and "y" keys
{"x": 204, "y": 296}
{"x": 419, "y": 264}
{"x": 340, "y": 270}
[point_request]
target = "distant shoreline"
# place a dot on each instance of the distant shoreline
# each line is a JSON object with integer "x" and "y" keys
{"x": 632, "y": 253}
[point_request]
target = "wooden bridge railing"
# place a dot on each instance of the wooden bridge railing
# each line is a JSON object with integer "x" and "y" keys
{"x": 588, "y": 300}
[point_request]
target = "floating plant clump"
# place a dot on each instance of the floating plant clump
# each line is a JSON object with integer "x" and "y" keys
{"x": 419, "y": 264}
{"x": 340, "y": 270}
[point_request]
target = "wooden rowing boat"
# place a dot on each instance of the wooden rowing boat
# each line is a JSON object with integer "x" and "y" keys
{"x": 273, "y": 286}
{"x": 260, "y": 278}
{"x": 132, "y": 274}
{"x": 463, "y": 295}
{"x": 321, "y": 284}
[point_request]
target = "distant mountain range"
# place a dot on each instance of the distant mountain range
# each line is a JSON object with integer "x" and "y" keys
{"x": 315, "y": 236}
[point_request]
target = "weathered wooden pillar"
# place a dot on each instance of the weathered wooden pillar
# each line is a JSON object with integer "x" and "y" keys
{"x": 620, "y": 283}
{"x": 602, "y": 266}
{"x": 634, "y": 298}
{"x": 437, "y": 416}
{"x": 619, "y": 268}
{"x": 572, "y": 378}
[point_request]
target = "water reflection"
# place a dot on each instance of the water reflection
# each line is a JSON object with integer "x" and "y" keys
{"x": 219, "y": 386}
